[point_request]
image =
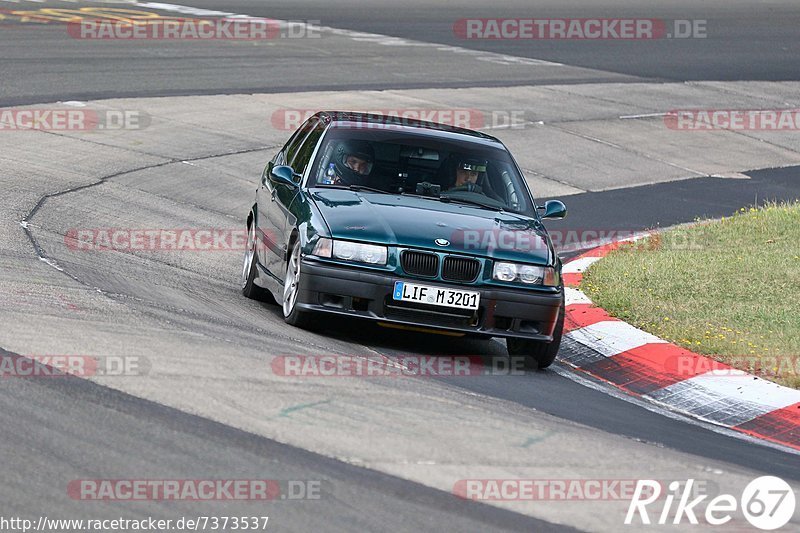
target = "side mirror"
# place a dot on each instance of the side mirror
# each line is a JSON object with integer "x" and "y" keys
{"x": 283, "y": 175}
{"x": 554, "y": 209}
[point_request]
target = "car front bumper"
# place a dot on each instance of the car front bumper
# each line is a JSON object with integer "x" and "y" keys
{"x": 366, "y": 294}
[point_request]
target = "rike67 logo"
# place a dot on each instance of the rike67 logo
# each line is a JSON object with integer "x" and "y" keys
{"x": 767, "y": 502}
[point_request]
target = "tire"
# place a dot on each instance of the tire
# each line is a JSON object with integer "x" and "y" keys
{"x": 249, "y": 287}
{"x": 291, "y": 287}
{"x": 538, "y": 354}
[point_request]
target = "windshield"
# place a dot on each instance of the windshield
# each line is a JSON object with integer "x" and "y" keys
{"x": 400, "y": 162}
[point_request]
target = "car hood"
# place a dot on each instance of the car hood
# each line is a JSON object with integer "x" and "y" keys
{"x": 417, "y": 222}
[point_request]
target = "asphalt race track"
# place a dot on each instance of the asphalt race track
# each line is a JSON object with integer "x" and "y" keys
{"x": 746, "y": 41}
{"x": 383, "y": 454}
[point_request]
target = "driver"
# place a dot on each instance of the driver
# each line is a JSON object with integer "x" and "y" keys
{"x": 351, "y": 163}
{"x": 466, "y": 176}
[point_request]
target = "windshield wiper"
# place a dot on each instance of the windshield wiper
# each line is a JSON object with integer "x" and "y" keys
{"x": 365, "y": 188}
{"x": 356, "y": 188}
{"x": 492, "y": 206}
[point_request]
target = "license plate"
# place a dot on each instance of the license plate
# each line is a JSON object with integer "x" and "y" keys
{"x": 425, "y": 294}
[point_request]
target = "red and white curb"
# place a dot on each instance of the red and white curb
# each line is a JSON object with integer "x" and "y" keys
{"x": 648, "y": 367}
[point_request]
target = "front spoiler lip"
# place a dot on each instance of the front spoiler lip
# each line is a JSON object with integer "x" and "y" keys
{"x": 325, "y": 274}
{"x": 420, "y": 325}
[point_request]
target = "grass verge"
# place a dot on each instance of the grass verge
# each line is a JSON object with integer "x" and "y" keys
{"x": 728, "y": 289}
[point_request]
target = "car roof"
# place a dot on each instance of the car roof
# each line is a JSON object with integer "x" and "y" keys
{"x": 343, "y": 119}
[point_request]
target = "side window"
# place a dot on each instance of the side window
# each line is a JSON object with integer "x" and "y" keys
{"x": 306, "y": 150}
{"x": 289, "y": 151}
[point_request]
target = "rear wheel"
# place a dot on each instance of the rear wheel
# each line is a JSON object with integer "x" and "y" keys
{"x": 291, "y": 288}
{"x": 538, "y": 354}
{"x": 249, "y": 287}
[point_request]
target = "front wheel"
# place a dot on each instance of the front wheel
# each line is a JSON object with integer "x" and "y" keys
{"x": 291, "y": 288}
{"x": 538, "y": 354}
{"x": 249, "y": 287}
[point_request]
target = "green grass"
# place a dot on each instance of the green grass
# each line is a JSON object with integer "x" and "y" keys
{"x": 728, "y": 288}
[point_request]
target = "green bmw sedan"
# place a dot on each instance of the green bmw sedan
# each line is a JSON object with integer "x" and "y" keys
{"x": 409, "y": 224}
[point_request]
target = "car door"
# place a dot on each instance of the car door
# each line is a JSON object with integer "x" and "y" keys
{"x": 287, "y": 196}
{"x": 268, "y": 231}
{"x": 278, "y": 220}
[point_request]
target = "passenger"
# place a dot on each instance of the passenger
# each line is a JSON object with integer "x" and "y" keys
{"x": 466, "y": 175}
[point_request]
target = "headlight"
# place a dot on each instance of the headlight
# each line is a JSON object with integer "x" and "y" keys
{"x": 531, "y": 274}
{"x": 344, "y": 250}
{"x": 372, "y": 254}
{"x": 505, "y": 271}
{"x": 527, "y": 274}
